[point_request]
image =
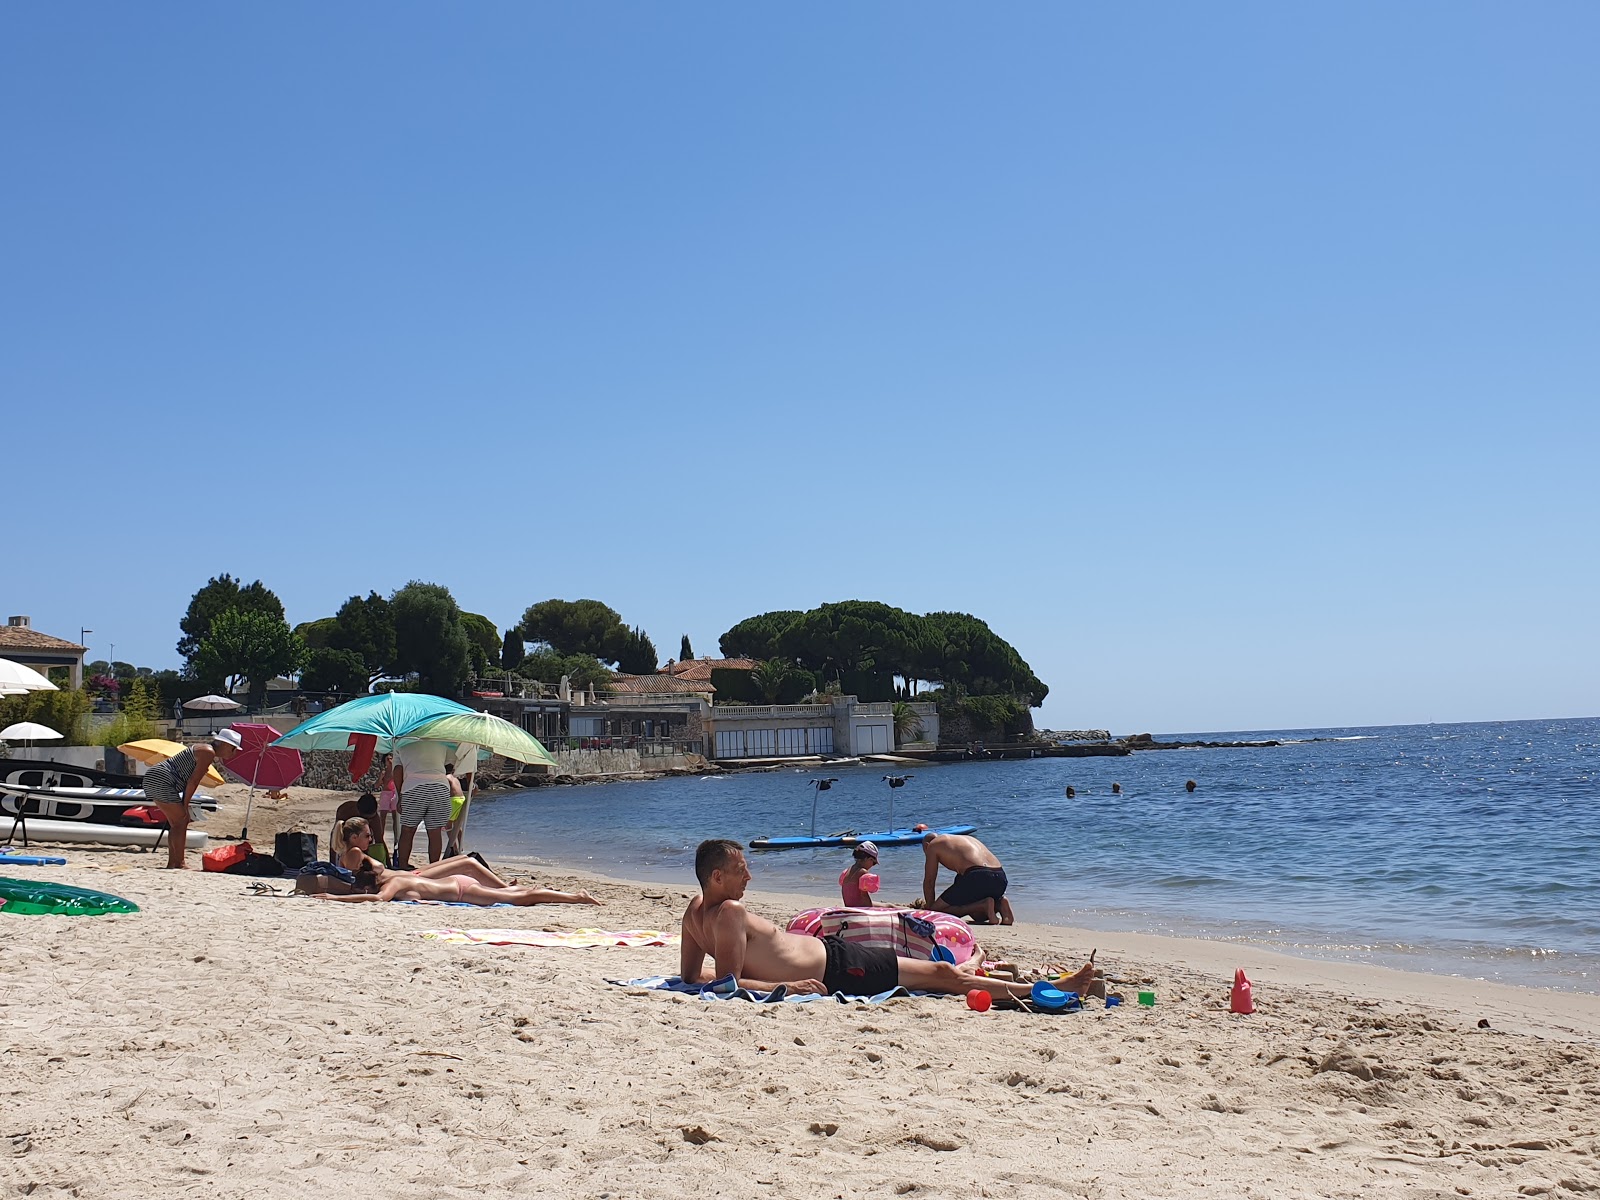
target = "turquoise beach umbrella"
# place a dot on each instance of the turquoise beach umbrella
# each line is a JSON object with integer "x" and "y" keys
{"x": 388, "y": 717}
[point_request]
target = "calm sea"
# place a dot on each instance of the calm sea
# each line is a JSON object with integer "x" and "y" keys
{"x": 1464, "y": 849}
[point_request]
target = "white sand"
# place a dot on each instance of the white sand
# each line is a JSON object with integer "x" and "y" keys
{"x": 219, "y": 1044}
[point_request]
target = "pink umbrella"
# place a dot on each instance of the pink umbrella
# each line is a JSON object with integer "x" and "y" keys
{"x": 261, "y": 764}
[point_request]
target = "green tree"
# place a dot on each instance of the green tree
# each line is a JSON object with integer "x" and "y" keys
{"x": 340, "y": 671}
{"x": 483, "y": 642}
{"x": 430, "y": 641}
{"x": 317, "y": 634}
{"x": 221, "y": 593}
{"x": 757, "y": 637}
{"x": 982, "y": 662}
{"x": 576, "y": 627}
{"x": 248, "y": 645}
{"x": 907, "y": 723}
{"x": 581, "y": 670}
{"x": 366, "y": 628}
{"x": 512, "y": 650}
{"x": 65, "y": 710}
{"x": 772, "y": 678}
{"x": 862, "y": 643}
{"x": 637, "y": 653}
{"x": 685, "y": 650}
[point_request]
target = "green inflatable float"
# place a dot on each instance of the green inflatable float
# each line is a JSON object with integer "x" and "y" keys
{"x": 26, "y": 896}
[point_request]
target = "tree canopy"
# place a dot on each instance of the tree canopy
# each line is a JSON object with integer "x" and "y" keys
{"x": 430, "y": 640}
{"x": 864, "y": 645}
{"x": 219, "y": 594}
{"x": 575, "y": 627}
{"x": 483, "y": 642}
{"x": 757, "y": 637}
{"x": 248, "y": 644}
{"x": 512, "y": 650}
{"x": 685, "y": 650}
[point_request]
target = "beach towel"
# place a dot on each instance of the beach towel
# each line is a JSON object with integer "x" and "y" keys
{"x": 578, "y": 939}
{"x": 726, "y": 989}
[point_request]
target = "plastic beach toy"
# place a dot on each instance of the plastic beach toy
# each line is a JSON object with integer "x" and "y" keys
{"x": 34, "y": 899}
{"x": 30, "y": 860}
{"x": 1147, "y": 999}
{"x": 1053, "y": 998}
{"x": 979, "y": 1000}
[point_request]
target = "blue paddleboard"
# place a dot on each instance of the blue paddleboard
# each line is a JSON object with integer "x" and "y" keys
{"x": 894, "y": 837}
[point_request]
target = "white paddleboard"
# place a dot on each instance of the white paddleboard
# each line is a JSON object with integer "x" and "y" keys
{"x": 88, "y": 833}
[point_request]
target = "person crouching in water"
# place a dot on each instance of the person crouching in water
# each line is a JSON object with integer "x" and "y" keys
{"x": 856, "y": 884}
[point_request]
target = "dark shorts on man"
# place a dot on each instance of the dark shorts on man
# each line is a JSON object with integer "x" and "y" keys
{"x": 974, "y": 886}
{"x": 858, "y": 970}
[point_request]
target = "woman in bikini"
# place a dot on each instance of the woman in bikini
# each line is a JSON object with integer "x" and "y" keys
{"x": 460, "y": 878}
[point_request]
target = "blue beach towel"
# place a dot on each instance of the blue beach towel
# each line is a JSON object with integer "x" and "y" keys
{"x": 726, "y": 989}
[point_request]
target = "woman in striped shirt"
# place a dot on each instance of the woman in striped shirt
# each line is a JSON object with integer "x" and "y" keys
{"x": 172, "y": 785}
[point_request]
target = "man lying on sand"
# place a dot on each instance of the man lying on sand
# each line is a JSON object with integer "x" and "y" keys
{"x": 461, "y": 888}
{"x": 979, "y": 890}
{"x": 761, "y": 956}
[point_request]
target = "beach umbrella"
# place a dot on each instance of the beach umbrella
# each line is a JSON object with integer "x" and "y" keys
{"x": 261, "y": 763}
{"x": 16, "y": 679}
{"x": 155, "y": 751}
{"x": 28, "y": 731}
{"x": 480, "y": 733}
{"x": 212, "y": 704}
{"x": 387, "y": 717}
{"x": 492, "y": 733}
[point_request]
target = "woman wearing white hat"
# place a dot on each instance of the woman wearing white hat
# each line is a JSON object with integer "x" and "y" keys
{"x": 172, "y": 785}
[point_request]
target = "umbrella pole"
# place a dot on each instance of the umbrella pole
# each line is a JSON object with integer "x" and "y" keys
{"x": 466, "y": 809}
{"x": 249, "y": 801}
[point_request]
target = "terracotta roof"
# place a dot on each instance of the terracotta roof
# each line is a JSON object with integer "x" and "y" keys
{"x": 701, "y": 668}
{"x": 21, "y": 637}
{"x": 657, "y": 685}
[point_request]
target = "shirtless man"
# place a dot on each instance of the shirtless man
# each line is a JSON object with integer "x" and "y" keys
{"x": 760, "y": 956}
{"x": 979, "y": 890}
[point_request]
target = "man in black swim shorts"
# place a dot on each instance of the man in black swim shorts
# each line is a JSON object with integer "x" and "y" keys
{"x": 760, "y": 956}
{"x": 979, "y": 889}
{"x": 858, "y": 970}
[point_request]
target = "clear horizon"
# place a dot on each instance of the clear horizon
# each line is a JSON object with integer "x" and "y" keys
{"x": 1237, "y": 366}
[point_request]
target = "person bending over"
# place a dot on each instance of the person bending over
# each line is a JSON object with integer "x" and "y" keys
{"x": 760, "y": 956}
{"x": 979, "y": 889}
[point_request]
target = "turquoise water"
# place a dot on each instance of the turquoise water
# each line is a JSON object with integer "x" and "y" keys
{"x": 1465, "y": 849}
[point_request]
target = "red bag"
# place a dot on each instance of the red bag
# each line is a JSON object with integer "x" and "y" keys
{"x": 224, "y": 857}
{"x": 143, "y": 814}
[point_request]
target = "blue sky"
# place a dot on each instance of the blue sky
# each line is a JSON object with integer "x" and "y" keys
{"x": 1237, "y": 363}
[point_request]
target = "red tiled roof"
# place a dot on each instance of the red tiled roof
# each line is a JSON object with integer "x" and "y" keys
{"x": 701, "y": 668}
{"x": 656, "y": 685}
{"x": 21, "y": 637}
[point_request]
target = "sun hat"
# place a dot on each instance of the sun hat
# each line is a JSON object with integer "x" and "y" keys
{"x": 867, "y": 848}
{"x": 228, "y": 737}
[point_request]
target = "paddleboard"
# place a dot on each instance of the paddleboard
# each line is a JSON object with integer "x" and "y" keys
{"x": 908, "y": 837}
{"x": 30, "y": 860}
{"x": 894, "y": 837}
{"x": 104, "y": 835}
{"x": 98, "y": 804}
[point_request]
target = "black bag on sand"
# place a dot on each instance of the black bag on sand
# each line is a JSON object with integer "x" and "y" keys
{"x": 295, "y": 850}
{"x": 257, "y": 864}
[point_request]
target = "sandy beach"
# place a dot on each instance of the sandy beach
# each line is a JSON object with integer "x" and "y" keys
{"x": 220, "y": 1043}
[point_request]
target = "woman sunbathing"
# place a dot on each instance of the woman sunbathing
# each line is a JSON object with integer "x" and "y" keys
{"x": 401, "y": 885}
{"x": 353, "y": 837}
{"x": 373, "y": 877}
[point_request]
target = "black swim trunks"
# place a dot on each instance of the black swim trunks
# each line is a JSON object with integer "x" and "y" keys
{"x": 975, "y": 885}
{"x": 858, "y": 970}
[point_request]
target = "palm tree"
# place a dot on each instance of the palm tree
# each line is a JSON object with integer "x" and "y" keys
{"x": 907, "y": 724}
{"x": 770, "y": 678}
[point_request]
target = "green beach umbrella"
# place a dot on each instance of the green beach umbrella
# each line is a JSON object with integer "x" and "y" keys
{"x": 485, "y": 730}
